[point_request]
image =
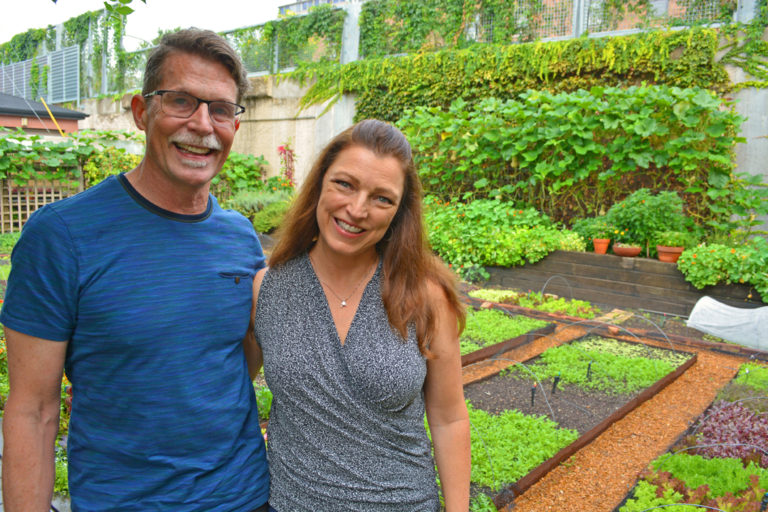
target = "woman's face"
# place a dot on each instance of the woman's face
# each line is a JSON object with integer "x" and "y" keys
{"x": 359, "y": 198}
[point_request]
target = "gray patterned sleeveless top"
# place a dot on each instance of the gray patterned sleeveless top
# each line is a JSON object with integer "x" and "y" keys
{"x": 346, "y": 431}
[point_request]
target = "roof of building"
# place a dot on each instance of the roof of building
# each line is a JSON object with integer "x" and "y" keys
{"x": 16, "y": 106}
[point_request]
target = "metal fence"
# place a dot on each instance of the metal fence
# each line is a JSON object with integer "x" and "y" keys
{"x": 547, "y": 20}
{"x": 304, "y": 6}
{"x": 563, "y": 19}
{"x": 58, "y": 77}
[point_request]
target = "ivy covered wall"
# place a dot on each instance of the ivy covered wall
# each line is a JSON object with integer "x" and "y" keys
{"x": 386, "y": 87}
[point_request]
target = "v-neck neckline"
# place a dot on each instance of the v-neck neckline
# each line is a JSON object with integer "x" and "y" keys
{"x": 341, "y": 343}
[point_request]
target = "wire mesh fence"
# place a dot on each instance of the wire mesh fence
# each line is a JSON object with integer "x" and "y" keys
{"x": 58, "y": 76}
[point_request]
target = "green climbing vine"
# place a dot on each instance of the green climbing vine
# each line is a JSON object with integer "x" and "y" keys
{"x": 22, "y": 46}
{"x": 103, "y": 29}
{"x": 387, "y": 87}
{"x": 746, "y": 47}
{"x": 314, "y": 37}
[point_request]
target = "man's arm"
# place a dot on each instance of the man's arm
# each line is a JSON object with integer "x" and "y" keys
{"x": 31, "y": 420}
{"x": 252, "y": 349}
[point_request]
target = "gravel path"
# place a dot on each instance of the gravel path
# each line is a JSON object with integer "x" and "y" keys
{"x": 597, "y": 478}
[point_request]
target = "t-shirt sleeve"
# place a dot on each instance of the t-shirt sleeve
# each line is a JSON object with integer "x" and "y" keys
{"x": 260, "y": 261}
{"x": 41, "y": 296}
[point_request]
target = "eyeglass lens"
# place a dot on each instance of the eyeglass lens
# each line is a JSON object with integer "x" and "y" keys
{"x": 181, "y": 104}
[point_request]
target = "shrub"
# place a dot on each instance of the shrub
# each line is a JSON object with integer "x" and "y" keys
{"x": 8, "y": 241}
{"x": 711, "y": 264}
{"x": 240, "y": 172}
{"x": 108, "y": 162}
{"x": 271, "y": 216}
{"x": 492, "y": 233}
{"x": 263, "y": 401}
{"x": 250, "y": 202}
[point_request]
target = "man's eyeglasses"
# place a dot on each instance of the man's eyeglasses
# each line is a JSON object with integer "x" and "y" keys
{"x": 182, "y": 104}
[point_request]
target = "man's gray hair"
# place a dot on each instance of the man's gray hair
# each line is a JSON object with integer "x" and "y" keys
{"x": 195, "y": 41}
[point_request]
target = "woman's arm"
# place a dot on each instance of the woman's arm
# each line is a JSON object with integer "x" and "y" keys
{"x": 446, "y": 410}
{"x": 250, "y": 345}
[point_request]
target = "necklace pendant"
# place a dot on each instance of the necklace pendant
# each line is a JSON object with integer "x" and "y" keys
{"x": 343, "y": 303}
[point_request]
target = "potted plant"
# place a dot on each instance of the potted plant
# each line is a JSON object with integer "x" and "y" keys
{"x": 624, "y": 244}
{"x": 597, "y": 230}
{"x": 643, "y": 213}
{"x": 670, "y": 244}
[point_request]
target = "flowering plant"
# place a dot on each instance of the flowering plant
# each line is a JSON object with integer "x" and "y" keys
{"x": 594, "y": 227}
{"x": 624, "y": 238}
{"x": 673, "y": 238}
{"x": 287, "y": 165}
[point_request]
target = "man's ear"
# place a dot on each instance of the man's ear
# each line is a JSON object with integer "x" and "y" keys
{"x": 140, "y": 109}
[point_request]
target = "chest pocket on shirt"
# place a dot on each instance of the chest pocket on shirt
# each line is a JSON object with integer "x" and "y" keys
{"x": 237, "y": 277}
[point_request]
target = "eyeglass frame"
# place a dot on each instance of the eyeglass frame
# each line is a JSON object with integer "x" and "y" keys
{"x": 239, "y": 108}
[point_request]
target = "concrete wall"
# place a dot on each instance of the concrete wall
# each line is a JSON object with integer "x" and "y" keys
{"x": 752, "y": 157}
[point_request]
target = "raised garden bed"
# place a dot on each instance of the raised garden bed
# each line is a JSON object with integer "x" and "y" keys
{"x": 490, "y": 332}
{"x": 721, "y": 461}
{"x": 639, "y": 283}
{"x": 578, "y": 411}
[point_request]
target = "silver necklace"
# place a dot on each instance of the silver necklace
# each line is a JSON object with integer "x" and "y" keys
{"x": 342, "y": 299}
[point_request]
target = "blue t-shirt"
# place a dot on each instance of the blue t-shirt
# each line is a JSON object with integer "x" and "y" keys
{"x": 155, "y": 306}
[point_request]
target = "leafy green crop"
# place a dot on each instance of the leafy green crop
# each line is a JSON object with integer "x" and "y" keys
{"x": 754, "y": 375}
{"x": 711, "y": 482}
{"x": 263, "y": 401}
{"x": 507, "y": 446}
{"x": 482, "y": 503}
{"x": 573, "y": 154}
{"x": 535, "y": 300}
{"x": 598, "y": 363}
{"x": 492, "y": 233}
{"x": 490, "y": 326}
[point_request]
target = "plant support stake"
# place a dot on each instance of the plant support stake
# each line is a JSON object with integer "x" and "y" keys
{"x": 53, "y": 118}
{"x": 533, "y": 393}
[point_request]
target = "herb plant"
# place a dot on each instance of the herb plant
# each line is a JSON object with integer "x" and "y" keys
{"x": 507, "y": 446}
{"x": 486, "y": 327}
{"x": 600, "y": 363}
{"x": 538, "y": 301}
{"x": 754, "y": 375}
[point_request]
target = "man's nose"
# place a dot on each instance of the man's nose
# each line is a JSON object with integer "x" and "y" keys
{"x": 201, "y": 119}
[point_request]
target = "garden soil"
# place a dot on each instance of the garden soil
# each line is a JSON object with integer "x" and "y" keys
{"x": 598, "y": 477}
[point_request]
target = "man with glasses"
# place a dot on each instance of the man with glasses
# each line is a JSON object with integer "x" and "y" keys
{"x": 140, "y": 288}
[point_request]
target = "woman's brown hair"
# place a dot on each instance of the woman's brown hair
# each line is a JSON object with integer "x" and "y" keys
{"x": 408, "y": 265}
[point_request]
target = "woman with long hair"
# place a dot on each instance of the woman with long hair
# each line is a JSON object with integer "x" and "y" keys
{"x": 358, "y": 322}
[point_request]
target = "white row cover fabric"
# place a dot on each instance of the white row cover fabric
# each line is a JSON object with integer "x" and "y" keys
{"x": 748, "y": 327}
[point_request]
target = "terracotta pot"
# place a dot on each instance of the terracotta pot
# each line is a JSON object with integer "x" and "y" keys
{"x": 669, "y": 254}
{"x": 626, "y": 250}
{"x": 601, "y": 245}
